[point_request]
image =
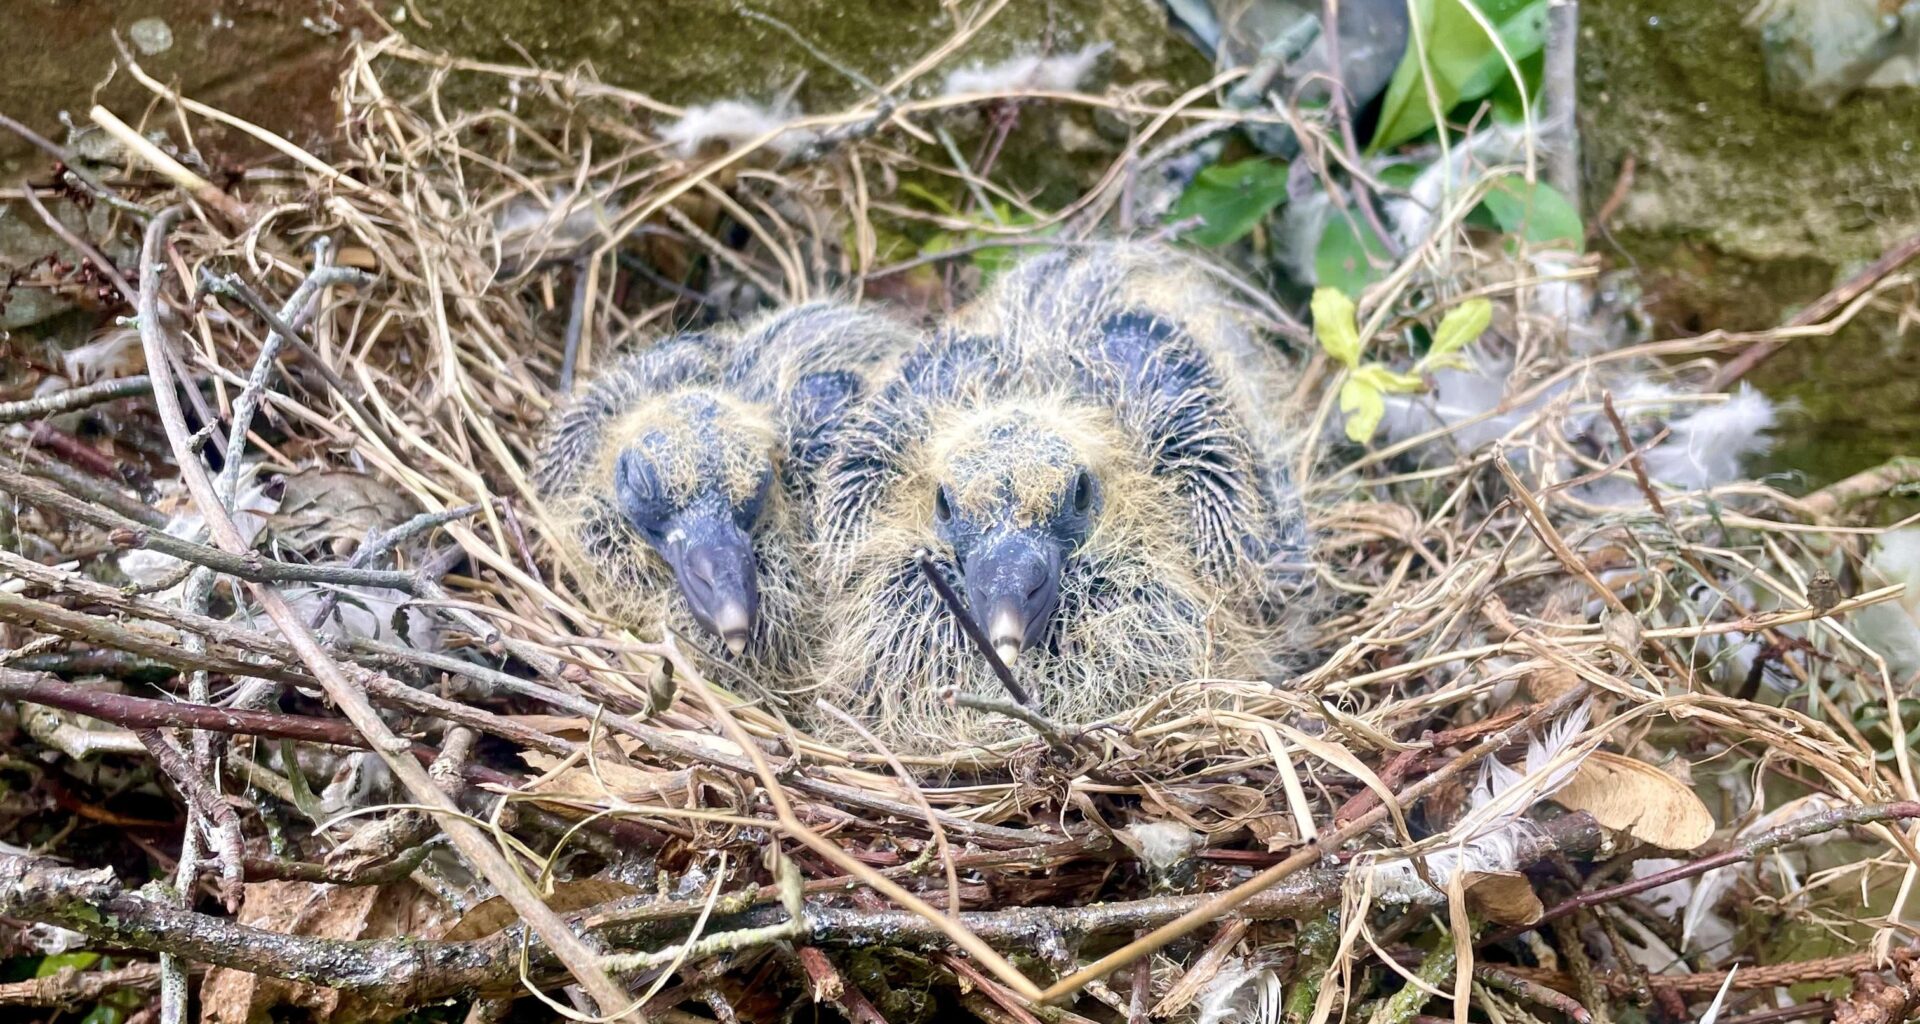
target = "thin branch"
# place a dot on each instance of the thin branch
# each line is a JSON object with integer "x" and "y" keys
{"x": 68, "y": 400}
{"x": 1745, "y": 849}
{"x": 1821, "y": 308}
{"x": 215, "y": 816}
{"x": 411, "y": 971}
{"x": 958, "y": 609}
{"x": 248, "y": 565}
{"x": 232, "y": 286}
{"x": 80, "y": 246}
{"x": 88, "y": 487}
{"x": 473, "y": 844}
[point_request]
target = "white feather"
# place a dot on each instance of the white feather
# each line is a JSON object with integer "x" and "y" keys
{"x": 1058, "y": 73}
{"x": 1162, "y": 844}
{"x": 251, "y": 507}
{"x": 1242, "y": 994}
{"x": 734, "y": 122}
{"x": 1706, "y": 448}
{"x": 566, "y": 220}
{"x": 112, "y": 353}
{"x": 1488, "y": 837}
{"x": 1713, "y": 1009}
{"x": 1893, "y": 627}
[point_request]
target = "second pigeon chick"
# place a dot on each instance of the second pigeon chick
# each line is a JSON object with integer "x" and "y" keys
{"x": 1096, "y": 455}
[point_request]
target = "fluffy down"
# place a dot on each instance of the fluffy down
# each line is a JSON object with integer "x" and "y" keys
{"x": 1108, "y": 398}
{"x": 738, "y": 418}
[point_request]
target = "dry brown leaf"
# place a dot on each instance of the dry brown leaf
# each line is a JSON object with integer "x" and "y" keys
{"x": 319, "y": 911}
{"x": 1636, "y": 798}
{"x": 496, "y": 914}
{"x": 604, "y": 779}
{"x": 1503, "y": 897}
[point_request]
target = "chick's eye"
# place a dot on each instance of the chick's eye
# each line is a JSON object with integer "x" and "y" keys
{"x": 1082, "y": 493}
{"x": 749, "y": 513}
{"x": 639, "y": 494}
{"x": 942, "y": 509}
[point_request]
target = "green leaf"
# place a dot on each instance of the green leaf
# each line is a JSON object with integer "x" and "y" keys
{"x": 1537, "y": 213}
{"x": 1364, "y": 406}
{"x": 1335, "y": 327}
{"x": 1462, "y": 326}
{"x": 931, "y": 198}
{"x": 1463, "y": 61}
{"x": 1349, "y": 257}
{"x": 1379, "y": 377}
{"x": 52, "y": 965}
{"x": 1230, "y": 199}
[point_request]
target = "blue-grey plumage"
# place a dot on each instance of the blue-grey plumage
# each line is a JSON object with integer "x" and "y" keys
{"x": 1097, "y": 453}
{"x": 680, "y": 476}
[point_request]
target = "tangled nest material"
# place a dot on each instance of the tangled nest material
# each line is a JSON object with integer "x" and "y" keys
{"x": 1233, "y": 850}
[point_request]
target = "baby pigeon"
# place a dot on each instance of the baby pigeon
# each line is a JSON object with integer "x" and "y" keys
{"x": 680, "y": 478}
{"x": 1096, "y": 455}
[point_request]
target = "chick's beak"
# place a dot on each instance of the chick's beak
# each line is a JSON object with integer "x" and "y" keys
{"x": 1013, "y": 583}
{"x": 716, "y": 571}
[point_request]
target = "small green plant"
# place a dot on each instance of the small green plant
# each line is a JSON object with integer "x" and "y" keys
{"x": 1363, "y": 395}
{"x": 1230, "y": 199}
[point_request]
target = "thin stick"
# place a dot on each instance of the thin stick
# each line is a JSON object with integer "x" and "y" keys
{"x": 80, "y": 245}
{"x": 1818, "y": 310}
{"x": 173, "y": 170}
{"x": 793, "y": 826}
{"x": 231, "y": 285}
{"x": 249, "y": 566}
{"x": 971, "y": 628}
{"x": 75, "y": 398}
{"x": 222, "y": 826}
{"x": 473, "y": 844}
{"x": 1228, "y": 901}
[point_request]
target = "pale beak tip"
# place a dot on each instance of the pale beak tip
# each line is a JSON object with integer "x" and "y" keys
{"x": 1006, "y": 633}
{"x": 734, "y": 627}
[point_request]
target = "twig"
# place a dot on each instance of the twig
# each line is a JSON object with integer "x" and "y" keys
{"x": 88, "y": 487}
{"x": 248, "y": 566}
{"x": 1560, "y": 98}
{"x": 1868, "y": 483}
{"x": 1634, "y": 459}
{"x": 232, "y": 286}
{"x": 1342, "y": 103}
{"x": 146, "y": 713}
{"x": 411, "y": 971}
{"x": 56, "y": 151}
{"x": 68, "y": 400}
{"x": 585, "y": 268}
{"x": 1055, "y": 737}
{"x": 70, "y": 989}
{"x": 1821, "y": 308}
{"x": 971, "y": 628}
{"x": 1226, "y": 902}
{"x": 1745, "y": 849}
{"x": 1496, "y": 976}
{"x": 468, "y": 839}
{"x": 80, "y": 245}
{"x": 221, "y": 824}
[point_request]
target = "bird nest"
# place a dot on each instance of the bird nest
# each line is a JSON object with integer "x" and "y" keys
{"x": 386, "y": 330}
